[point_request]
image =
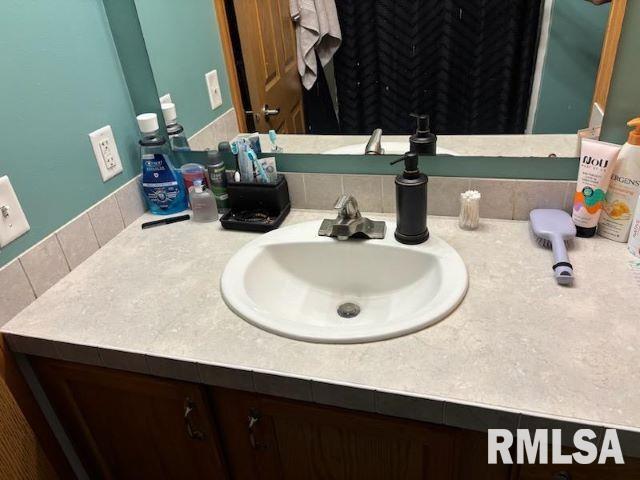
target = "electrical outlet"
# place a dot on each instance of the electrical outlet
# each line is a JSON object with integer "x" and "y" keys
{"x": 106, "y": 152}
{"x": 166, "y": 98}
{"x": 213, "y": 86}
{"x": 13, "y": 222}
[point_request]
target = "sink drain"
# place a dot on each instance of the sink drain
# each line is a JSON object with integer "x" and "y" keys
{"x": 348, "y": 310}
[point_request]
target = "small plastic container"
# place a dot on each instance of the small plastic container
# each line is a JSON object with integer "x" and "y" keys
{"x": 469, "y": 218}
{"x": 203, "y": 203}
{"x": 192, "y": 172}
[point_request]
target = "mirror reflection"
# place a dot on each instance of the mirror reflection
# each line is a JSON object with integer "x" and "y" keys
{"x": 457, "y": 77}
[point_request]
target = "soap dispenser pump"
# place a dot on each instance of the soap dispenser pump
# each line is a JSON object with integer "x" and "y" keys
{"x": 411, "y": 202}
{"x": 423, "y": 142}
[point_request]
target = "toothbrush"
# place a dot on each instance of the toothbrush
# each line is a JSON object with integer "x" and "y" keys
{"x": 254, "y": 158}
{"x": 273, "y": 138}
{"x": 235, "y": 151}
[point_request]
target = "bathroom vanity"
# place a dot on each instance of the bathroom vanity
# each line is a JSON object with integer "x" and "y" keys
{"x": 152, "y": 378}
{"x": 132, "y": 426}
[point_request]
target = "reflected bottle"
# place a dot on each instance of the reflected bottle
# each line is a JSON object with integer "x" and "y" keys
{"x": 175, "y": 131}
{"x": 162, "y": 184}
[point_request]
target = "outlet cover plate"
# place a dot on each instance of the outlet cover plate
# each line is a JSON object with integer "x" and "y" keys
{"x": 213, "y": 87}
{"x": 13, "y": 222}
{"x": 106, "y": 152}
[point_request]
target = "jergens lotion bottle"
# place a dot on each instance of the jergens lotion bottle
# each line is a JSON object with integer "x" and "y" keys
{"x": 624, "y": 188}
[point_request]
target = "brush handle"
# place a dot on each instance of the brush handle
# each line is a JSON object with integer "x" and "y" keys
{"x": 562, "y": 268}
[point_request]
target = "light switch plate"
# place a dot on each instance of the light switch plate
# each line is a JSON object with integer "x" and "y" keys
{"x": 166, "y": 98}
{"x": 13, "y": 222}
{"x": 213, "y": 86}
{"x": 106, "y": 152}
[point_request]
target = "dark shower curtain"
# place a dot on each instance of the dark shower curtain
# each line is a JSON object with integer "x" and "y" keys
{"x": 467, "y": 63}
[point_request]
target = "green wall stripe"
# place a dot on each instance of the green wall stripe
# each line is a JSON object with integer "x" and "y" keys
{"x": 534, "y": 168}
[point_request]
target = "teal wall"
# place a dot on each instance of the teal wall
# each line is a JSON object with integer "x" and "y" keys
{"x": 60, "y": 80}
{"x": 571, "y": 65}
{"x": 623, "y": 102}
{"x": 183, "y": 42}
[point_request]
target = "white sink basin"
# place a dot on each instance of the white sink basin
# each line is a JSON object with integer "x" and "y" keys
{"x": 390, "y": 148}
{"x": 291, "y": 282}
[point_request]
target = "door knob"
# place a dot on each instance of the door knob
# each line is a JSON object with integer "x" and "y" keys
{"x": 266, "y": 112}
{"x": 270, "y": 112}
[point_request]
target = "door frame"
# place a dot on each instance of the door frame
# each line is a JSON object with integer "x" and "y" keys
{"x": 609, "y": 53}
{"x": 230, "y": 63}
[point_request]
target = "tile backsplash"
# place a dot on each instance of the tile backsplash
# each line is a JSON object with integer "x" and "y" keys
{"x": 39, "y": 268}
{"x": 501, "y": 198}
{"x": 223, "y": 128}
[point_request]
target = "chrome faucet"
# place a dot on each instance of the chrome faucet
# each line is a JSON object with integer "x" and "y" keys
{"x": 350, "y": 223}
{"x": 374, "y": 145}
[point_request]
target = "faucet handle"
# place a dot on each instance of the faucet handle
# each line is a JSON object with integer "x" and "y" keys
{"x": 347, "y": 206}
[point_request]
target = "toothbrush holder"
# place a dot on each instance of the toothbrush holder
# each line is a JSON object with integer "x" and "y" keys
{"x": 257, "y": 207}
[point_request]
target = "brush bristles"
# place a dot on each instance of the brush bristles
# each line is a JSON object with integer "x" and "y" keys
{"x": 543, "y": 242}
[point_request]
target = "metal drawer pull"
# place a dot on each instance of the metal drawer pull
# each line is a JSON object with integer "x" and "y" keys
{"x": 192, "y": 432}
{"x": 254, "y": 417}
{"x": 561, "y": 476}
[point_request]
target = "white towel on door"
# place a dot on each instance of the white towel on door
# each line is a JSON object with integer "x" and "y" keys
{"x": 317, "y": 30}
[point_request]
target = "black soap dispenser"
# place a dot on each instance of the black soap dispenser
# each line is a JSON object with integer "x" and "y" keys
{"x": 411, "y": 202}
{"x": 423, "y": 142}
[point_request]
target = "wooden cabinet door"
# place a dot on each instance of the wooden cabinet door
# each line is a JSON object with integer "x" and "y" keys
{"x": 268, "y": 44}
{"x": 128, "y": 426}
{"x": 610, "y": 471}
{"x": 267, "y": 438}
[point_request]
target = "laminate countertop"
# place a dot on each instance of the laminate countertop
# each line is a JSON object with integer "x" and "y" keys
{"x": 518, "y": 348}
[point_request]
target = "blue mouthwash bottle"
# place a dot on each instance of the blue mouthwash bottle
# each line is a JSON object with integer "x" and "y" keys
{"x": 161, "y": 183}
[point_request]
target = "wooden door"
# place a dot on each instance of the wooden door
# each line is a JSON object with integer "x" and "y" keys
{"x": 268, "y": 44}
{"x": 128, "y": 426}
{"x": 292, "y": 440}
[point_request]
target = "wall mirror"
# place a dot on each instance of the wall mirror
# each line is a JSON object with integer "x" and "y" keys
{"x": 518, "y": 78}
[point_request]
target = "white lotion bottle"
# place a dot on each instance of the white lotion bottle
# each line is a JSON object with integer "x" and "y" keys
{"x": 634, "y": 236}
{"x": 624, "y": 189}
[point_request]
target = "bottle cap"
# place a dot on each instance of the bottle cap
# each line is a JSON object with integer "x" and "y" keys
{"x": 148, "y": 122}
{"x": 410, "y": 164}
{"x": 634, "y": 135}
{"x": 422, "y": 123}
{"x": 197, "y": 185}
{"x": 169, "y": 113}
